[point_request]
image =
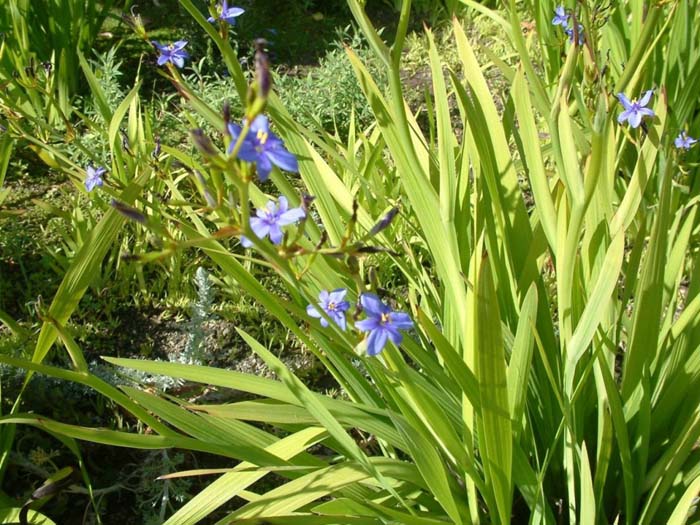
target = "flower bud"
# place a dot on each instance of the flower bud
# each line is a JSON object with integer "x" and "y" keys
{"x": 211, "y": 201}
{"x": 227, "y": 114}
{"x": 384, "y": 222}
{"x": 306, "y": 201}
{"x": 135, "y": 21}
{"x": 128, "y": 212}
{"x": 260, "y": 89}
{"x": 203, "y": 143}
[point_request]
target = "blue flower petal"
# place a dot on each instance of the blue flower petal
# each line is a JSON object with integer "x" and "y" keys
{"x": 264, "y": 167}
{"x": 635, "y": 119}
{"x": 260, "y": 123}
{"x": 260, "y": 227}
{"x": 340, "y": 320}
{"x": 337, "y": 295}
{"x": 624, "y": 116}
{"x": 234, "y": 130}
{"x": 276, "y": 234}
{"x": 646, "y": 98}
{"x": 247, "y": 152}
{"x": 373, "y": 305}
{"x": 376, "y": 342}
{"x": 367, "y": 325}
{"x": 624, "y": 100}
{"x": 291, "y": 216}
{"x": 312, "y": 311}
{"x": 395, "y": 336}
{"x": 401, "y": 321}
{"x": 283, "y": 159}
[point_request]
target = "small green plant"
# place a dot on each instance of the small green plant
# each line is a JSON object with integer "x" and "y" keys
{"x": 328, "y": 97}
{"x": 200, "y": 312}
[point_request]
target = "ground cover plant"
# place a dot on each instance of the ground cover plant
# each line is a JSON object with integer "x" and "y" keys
{"x": 498, "y": 284}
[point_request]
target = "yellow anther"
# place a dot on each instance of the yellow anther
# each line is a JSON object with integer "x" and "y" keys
{"x": 262, "y": 136}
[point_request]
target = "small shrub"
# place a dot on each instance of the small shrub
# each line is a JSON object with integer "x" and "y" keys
{"x": 328, "y": 96}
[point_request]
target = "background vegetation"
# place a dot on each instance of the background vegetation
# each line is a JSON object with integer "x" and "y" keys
{"x": 544, "y": 250}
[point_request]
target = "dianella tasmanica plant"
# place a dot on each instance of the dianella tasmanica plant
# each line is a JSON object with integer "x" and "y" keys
{"x": 505, "y": 294}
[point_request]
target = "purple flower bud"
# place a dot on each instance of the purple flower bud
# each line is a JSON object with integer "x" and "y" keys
{"x": 203, "y": 143}
{"x": 227, "y": 114}
{"x": 156, "y": 149}
{"x": 211, "y": 201}
{"x": 384, "y": 222}
{"x": 128, "y": 212}
{"x": 262, "y": 68}
{"x": 306, "y": 201}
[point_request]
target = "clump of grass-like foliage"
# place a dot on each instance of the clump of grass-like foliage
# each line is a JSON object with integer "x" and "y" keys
{"x": 552, "y": 374}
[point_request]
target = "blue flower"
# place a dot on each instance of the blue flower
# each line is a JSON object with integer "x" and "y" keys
{"x": 683, "y": 141}
{"x": 270, "y": 219}
{"x": 570, "y": 33}
{"x": 226, "y": 13}
{"x": 333, "y": 304}
{"x": 382, "y": 323}
{"x": 174, "y": 53}
{"x": 94, "y": 178}
{"x": 635, "y": 111}
{"x": 262, "y": 147}
{"x": 560, "y": 17}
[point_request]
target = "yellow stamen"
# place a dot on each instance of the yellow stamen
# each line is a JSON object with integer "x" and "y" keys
{"x": 261, "y": 136}
{"x": 385, "y": 318}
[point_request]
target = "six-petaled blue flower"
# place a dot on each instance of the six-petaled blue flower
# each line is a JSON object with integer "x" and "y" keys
{"x": 382, "y": 323}
{"x": 262, "y": 147}
{"x": 94, "y": 178}
{"x": 226, "y": 13}
{"x": 635, "y": 110}
{"x": 570, "y": 33}
{"x": 560, "y": 17}
{"x": 271, "y": 218}
{"x": 684, "y": 141}
{"x": 174, "y": 53}
{"x": 334, "y": 304}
